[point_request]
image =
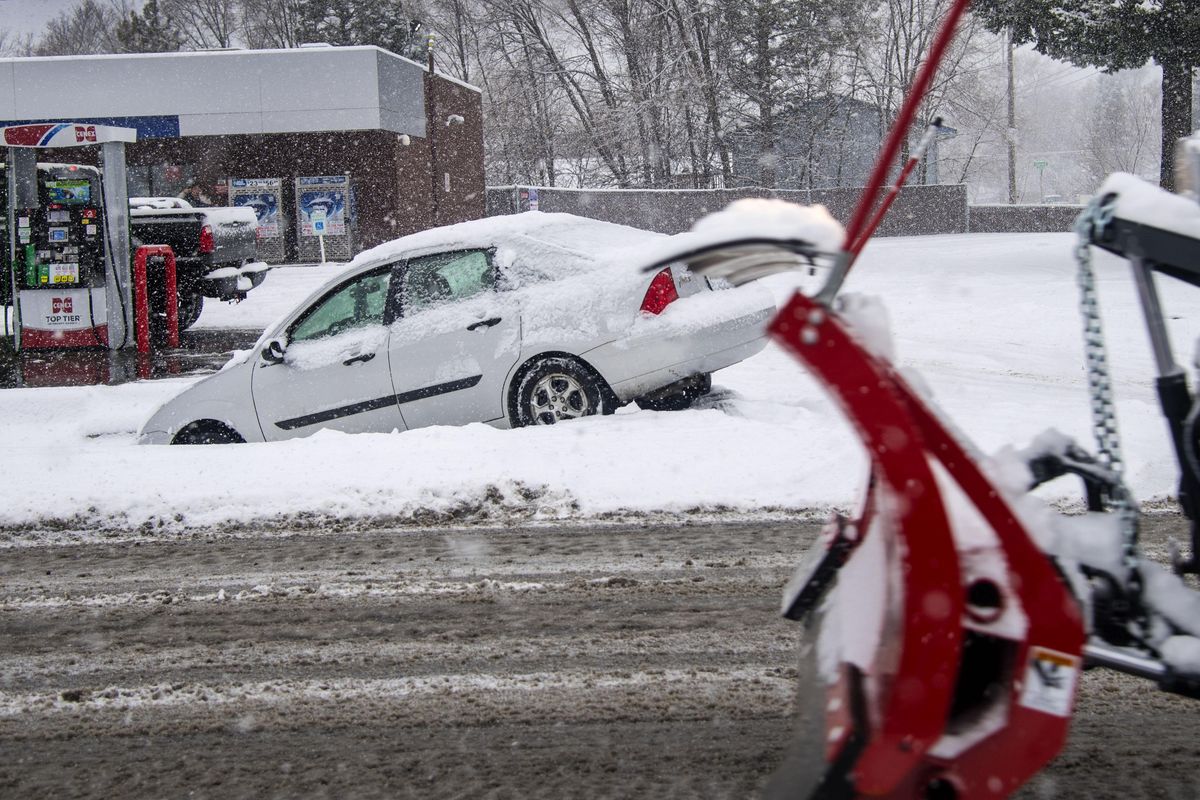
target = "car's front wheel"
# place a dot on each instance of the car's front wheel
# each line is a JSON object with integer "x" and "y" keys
{"x": 556, "y": 389}
{"x": 207, "y": 431}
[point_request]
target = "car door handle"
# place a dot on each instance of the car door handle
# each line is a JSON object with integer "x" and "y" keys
{"x": 484, "y": 323}
{"x": 365, "y": 357}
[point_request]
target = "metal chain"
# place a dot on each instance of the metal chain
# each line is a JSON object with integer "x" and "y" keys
{"x": 1104, "y": 416}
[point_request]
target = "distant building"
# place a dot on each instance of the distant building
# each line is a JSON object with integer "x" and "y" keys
{"x": 411, "y": 142}
{"x": 828, "y": 142}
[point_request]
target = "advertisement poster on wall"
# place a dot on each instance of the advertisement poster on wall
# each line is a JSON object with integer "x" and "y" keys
{"x": 325, "y": 196}
{"x": 265, "y": 196}
{"x": 330, "y": 197}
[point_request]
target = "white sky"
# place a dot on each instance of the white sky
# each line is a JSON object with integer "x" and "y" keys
{"x": 30, "y": 16}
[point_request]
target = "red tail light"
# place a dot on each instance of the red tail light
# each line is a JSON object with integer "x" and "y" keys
{"x": 206, "y": 239}
{"x": 660, "y": 294}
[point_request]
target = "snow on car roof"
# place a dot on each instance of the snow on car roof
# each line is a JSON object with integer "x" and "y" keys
{"x": 555, "y": 244}
{"x": 158, "y": 202}
{"x": 549, "y": 243}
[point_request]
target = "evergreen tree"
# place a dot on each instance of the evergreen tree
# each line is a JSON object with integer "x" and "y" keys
{"x": 782, "y": 53}
{"x": 383, "y": 23}
{"x": 148, "y": 32}
{"x": 1115, "y": 35}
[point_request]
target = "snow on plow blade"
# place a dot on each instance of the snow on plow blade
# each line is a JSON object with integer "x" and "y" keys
{"x": 751, "y": 239}
{"x": 950, "y": 646}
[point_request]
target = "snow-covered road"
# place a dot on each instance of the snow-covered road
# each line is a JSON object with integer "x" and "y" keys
{"x": 553, "y": 661}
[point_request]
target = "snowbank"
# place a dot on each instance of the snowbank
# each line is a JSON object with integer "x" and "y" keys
{"x": 989, "y": 320}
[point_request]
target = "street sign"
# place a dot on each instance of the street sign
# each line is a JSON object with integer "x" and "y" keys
{"x": 317, "y": 217}
{"x": 1040, "y": 164}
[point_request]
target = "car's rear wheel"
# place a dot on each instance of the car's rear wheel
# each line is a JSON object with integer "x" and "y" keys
{"x": 190, "y": 306}
{"x": 556, "y": 389}
{"x": 677, "y": 396}
{"x": 207, "y": 431}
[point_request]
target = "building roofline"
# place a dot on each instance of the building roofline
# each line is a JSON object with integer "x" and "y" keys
{"x": 239, "y": 52}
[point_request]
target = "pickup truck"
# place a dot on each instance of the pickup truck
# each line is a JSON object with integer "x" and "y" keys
{"x": 216, "y": 249}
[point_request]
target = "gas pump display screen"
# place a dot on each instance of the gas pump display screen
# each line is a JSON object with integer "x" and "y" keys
{"x": 58, "y": 234}
{"x": 74, "y": 191}
{"x": 58, "y": 215}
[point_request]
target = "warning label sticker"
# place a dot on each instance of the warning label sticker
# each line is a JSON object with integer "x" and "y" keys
{"x": 1050, "y": 678}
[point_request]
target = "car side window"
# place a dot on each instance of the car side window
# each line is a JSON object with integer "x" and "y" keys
{"x": 446, "y": 277}
{"x": 362, "y": 301}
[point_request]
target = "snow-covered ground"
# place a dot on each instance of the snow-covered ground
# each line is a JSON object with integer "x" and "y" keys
{"x": 990, "y": 321}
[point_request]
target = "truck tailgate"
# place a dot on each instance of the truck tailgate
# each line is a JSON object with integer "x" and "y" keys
{"x": 179, "y": 228}
{"x": 235, "y": 234}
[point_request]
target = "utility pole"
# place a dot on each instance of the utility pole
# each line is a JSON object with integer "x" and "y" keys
{"x": 1012, "y": 120}
{"x": 431, "y": 133}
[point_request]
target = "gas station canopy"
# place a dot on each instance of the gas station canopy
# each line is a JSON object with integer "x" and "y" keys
{"x": 220, "y": 92}
{"x": 64, "y": 134}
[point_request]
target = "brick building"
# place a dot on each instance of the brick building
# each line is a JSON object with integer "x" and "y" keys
{"x": 410, "y": 141}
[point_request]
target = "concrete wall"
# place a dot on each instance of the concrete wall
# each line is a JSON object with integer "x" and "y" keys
{"x": 1024, "y": 219}
{"x": 918, "y": 209}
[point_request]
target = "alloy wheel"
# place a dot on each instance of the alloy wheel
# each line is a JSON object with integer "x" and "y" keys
{"x": 556, "y": 397}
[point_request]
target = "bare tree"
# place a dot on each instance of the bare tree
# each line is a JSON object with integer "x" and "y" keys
{"x": 84, "y": 29}
{"x": 13, "y": 44}
{"x": 1121, "y": 131}
{"x": 204, "y": 23}
{"x": 456, "y": 26}
{"x": 699, "y": 28}
{"x": 272, "y": 23}
{"x": 900, "y": 35}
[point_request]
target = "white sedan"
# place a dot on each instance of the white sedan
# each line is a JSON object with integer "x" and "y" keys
{"x": 509, "y": 320}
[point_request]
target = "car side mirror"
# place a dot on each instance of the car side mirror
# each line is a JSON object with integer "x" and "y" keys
{"x": 272, "y": 352}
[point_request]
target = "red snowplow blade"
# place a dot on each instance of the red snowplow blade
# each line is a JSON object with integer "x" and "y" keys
{"x": 949, "y": 666}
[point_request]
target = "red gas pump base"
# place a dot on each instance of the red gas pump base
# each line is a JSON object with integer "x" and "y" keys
{"x": 65, "y": 318}
{"x": 141, "y": 296}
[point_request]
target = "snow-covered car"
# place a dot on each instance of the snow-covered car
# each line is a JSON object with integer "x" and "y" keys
{"x": 525, "y": 319}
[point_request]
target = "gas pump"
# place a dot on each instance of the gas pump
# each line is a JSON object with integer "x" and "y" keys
{"x": 68, "y": 237}
{"x": 60, "y": 259}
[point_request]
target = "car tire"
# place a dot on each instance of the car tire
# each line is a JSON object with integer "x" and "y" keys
{"x": 190, "y": 306}
{"x": 677, "y": 396}
{"x": 207, "y": 431}
{"x": 556, "y": 389}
